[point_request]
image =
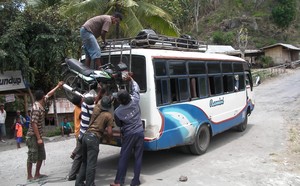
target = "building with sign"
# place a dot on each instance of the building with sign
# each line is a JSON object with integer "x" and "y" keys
{"x": 13, "y": 88}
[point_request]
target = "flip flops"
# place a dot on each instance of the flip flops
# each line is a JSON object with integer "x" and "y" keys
{"x": 30, "y": 180}
{"x": 40, "y": 177}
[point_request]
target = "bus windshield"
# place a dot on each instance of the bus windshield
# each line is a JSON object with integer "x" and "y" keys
{"x": 137, "y": 66}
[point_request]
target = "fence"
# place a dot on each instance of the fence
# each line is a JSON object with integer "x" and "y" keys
{"x": 263, "y": 74}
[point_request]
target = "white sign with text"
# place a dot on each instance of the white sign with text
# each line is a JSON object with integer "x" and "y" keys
{"x": 11, "y": 80}
{"x": 10, "y": 98}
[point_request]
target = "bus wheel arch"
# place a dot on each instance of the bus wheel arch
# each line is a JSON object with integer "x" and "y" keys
{"x": 249, "y": 111}
{"x": 202, "y": 140}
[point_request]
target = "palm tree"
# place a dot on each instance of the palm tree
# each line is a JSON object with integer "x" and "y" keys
{"x": 137, "y": 15}
{"x": 43, "y": 4}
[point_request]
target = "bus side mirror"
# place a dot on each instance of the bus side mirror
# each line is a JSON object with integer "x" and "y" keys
{"x": 257, "y": 81}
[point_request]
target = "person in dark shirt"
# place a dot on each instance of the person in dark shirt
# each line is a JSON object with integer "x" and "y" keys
{"x": 128, "y": 118}
{"x": 27, "y": 117}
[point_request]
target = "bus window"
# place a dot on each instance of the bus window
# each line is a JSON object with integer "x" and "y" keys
{"x": 215, "y": 84}
{"x": 177, "y": 68}
{"x": 194, "y": 87}
{"x": 138, "y": 67}
{"x": 213, "y": 68}
{"x": 179, "y": 89}
{"x": 242, "y": 81}
{"x": 162, "y": 93}
{"x": 158, "y": 91}
{"x": 239, "y": 79}
{"x": 218, "y": 84}
{"x": 236, "y": 83}
{"x": 215, "y": 80}
{"x": 197, "y": 68}
{"x": 184, "y": 93}
{"x": 238, "y": 67}
{"x": 198, "y": 87}
{"x": 203, "y": 87}
{"x": 227, "y": 67}
{"x": 239, "y": 82}
{"x": 174, "y": 90}
{"x": 228, "y": 83}
{"x": 160, "y": 68}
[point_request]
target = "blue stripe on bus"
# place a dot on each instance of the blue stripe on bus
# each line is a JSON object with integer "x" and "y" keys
{"x": 182, "y": 121}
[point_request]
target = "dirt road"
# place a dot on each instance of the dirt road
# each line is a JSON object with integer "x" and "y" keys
{"x": 267, "y": 153}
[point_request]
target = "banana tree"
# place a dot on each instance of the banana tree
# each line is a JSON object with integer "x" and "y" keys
{"x": 137, "y": 15}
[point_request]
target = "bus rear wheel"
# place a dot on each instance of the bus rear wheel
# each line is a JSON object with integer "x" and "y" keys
{"x": 202, "y": 140}
{"x": 242, "y": 127}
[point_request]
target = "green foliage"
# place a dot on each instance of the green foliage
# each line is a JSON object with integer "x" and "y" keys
{"x": 44, "y": 4}
{"x": 260, "y": 14}
{"x": 137, "y": 16}
{"x": 266, "y": 61}
{"x": 260, "y": 42}
{"x": 55, "y": 132}
{"x": 9, "y": 9}
{"x": 36, "y": 43}
{"x": 223, "y": 38}
{"x": 238, "y": 3}
{"x": 284, "y": 12}
{"x": 180, "y": 10}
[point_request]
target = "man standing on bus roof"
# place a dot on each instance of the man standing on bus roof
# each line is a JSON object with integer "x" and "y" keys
{"x": 91, "y": 30}
{"x": 128, "y": 117}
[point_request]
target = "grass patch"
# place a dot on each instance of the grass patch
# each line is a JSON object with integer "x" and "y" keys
{"x": 54, "y": 132}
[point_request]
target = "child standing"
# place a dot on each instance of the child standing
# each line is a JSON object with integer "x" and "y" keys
{"x": 19, "y": 132}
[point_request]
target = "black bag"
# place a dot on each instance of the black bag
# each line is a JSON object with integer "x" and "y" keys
{"x": 187, "y": 41}
{"x": 146, "y": 34}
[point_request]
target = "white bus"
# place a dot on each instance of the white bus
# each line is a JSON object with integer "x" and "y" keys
{"x": 187, "y": 96}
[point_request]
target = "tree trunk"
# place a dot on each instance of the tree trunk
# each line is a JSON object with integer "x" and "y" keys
{"x": 31, "y": 95}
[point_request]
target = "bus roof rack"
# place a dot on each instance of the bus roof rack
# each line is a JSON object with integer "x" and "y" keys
{"x": 154, "y": 41}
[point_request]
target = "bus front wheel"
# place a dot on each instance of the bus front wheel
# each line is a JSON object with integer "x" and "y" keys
{"x": 202, "y": 140}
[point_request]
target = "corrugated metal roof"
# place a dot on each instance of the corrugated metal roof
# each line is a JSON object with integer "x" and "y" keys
{"x": 219, "y": 49}
{"x": 289, "y": 46}
{"x": 226, "y": 49}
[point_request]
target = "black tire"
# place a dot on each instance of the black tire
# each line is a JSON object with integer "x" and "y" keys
{"x": 184, "y": 149}
{"x": 202, "y": 140}
{"x": 243, "y": 126}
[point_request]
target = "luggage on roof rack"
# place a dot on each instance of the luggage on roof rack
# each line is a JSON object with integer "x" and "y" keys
{"x": 145, "y": 37}
{"x": 187, "y": 41}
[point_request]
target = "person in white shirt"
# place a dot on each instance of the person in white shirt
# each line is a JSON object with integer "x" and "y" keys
{"x": 2, "y": 122}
